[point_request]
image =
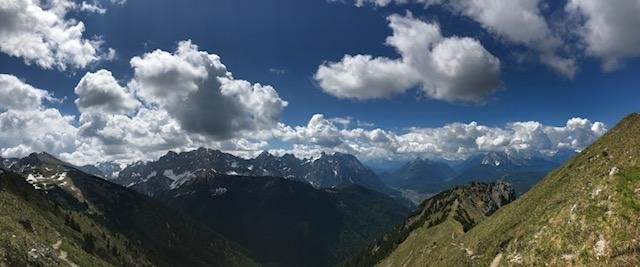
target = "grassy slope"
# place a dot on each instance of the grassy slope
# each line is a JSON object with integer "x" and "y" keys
{"x": 129, "y": 229}
{"x": 166, "y": 237}
{"x": 579, "y": 214}
{"x": 464, "y": 212}
{"x": 18, "y": 202}
{"x": 438, "y": 219}
{"x": 417, "y": 248}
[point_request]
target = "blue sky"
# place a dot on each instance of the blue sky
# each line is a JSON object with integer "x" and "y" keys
{"x": 254, "y": 38}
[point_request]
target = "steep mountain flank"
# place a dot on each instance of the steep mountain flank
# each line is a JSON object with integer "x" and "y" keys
{"x": 284, "y": 222}
{"x": 587, "y": 212}
{"x": 52, "y": 213}
{"x": 436, "y": 222}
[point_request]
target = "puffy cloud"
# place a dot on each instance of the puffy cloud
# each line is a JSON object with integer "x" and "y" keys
{"x": 40, "y": 33}
{"x": 146, "y": 135}
{"x": 343, "y": 121}
{"x": 519, "y": 22}
{"x": 364, "y": 77}
{"x": 609, "y": 30}
{"x": 17, "y": 95}
{"x": 142, "y": 119}
{"x": 515, "y": 21}
{"x": 451, "y": 141}
{"x": 26, "y": 125}
{"x": 464, "y": 71}
{"x": 576, "y": 134}
{"x": 26, "y": 131}
{"x": 175, "y": 100}
{"x": 374, "y": 2}
{"x": 99, "y": 91}
{"x": 319, "y": 131}
{"x": 179, "y": 100}
{"x": 146, "y": 132}
{"x": 196, "y": 89}
{"x": 150, "y": 131}
{"x": 451, "y": 69}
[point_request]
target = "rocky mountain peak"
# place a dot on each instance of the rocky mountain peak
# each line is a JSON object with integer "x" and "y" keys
{"x": 495, "y": 158}
{"x": 39, "y": 158}
{"x": 265, "y": 155}
{"x": 324, "y": 171}
{"x": 171, "y": 154}
{"x": 289, "y": 156}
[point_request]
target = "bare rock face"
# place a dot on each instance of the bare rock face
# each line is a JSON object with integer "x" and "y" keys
{"x": 26, "y": 224}
{"x": 502, "y": 193}
{"x": 336, "y": 170}
{"x": 489, "y": 197}
{"x": 42, "y": 255}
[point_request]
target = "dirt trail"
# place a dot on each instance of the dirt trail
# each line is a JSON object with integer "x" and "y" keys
{"x": 496, "y": 261}
{"x": 63, "y": 254}
{"x": 57, "y": 245}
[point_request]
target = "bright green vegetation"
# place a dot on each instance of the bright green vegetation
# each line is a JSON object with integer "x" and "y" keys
{"x": 34, "y": 231}
{"x": 584, "y": 213}
{"x": 91, "y": 222}
{"x": 437, "y": 222}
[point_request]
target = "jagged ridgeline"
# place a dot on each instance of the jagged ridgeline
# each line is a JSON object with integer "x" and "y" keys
{"x": 435, "y": 223}
{"x": 52, "y": 214}
{"x": 55, "y": 213}
{"x": 584, "y": 213}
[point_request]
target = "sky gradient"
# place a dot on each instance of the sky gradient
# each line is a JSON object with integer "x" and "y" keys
{"x": 419, "y": 92}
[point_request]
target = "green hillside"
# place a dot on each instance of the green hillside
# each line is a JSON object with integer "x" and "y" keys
{"x": 81, "y": 220}
{"x": 437, "y": 221}
{"x": 587, "y": 212}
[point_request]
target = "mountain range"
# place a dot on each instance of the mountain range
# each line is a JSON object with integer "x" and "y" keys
{"x": 223, "y": 219}
{"x": 422, "y": 178}
{"x": 334, "y": 170}
{"x": 286, "y": 211}
{"x": 51, "y": 213}
{"x": 415, "y": 180}
{"x": 209, "y": 208}
{"x": 584, "y": 213}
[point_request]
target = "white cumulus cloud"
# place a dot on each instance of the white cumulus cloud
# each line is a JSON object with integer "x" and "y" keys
{"x": 99, "y": 91}
{"x": 518, "y": 22}
{"x": 26, "y": 125}
{"x": 452, "y": 141}
{"x": 201, "y": 94}
{"x": 17, "y": 95}
{"x": 610, "y": 30}
{"x": 149, "y": 131}
{"x": 457, "y": 69}
{"x": 175, "y": 100}
{"x": 40, "y": 33}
